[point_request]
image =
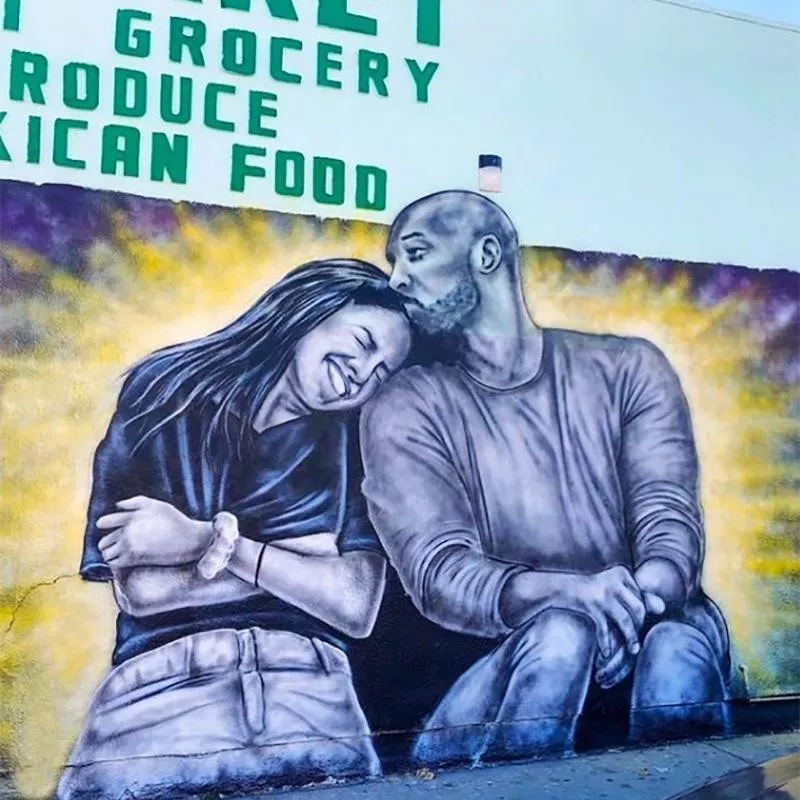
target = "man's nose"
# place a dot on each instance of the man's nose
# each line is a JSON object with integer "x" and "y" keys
{"x": 399, "y": 280}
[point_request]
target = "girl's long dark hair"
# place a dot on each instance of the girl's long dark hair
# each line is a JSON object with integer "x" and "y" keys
{"x": 234, "y": 369}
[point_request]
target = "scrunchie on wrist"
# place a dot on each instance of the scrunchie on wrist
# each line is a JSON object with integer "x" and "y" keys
{"x": 218, "y": 555}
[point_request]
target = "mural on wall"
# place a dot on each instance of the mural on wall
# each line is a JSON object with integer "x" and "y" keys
{"x": 345, "y": 481}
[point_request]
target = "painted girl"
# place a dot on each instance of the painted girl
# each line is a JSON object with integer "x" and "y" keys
{"x": 226, "y": 511}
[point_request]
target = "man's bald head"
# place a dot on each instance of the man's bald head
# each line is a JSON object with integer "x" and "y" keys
{"x": 458, "y": 213}
{"x": 449, "y": 251}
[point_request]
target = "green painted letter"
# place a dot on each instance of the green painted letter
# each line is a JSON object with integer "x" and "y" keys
{"x": 239, "y": 50}
{"x": 28, "y": 73}
{"x": 261, "y": 109}
{"x": 81, "y": 86}
{"x": 329, "y": 181}
{"x": 241, "y": 170}
{"x": 326, "y": 62}
{"x": 183, "y": 113}
{"x": 169, "y": 158}
{"x": 12, "y": 14}
{"x": 130, "y": 92}
{"x": 61, "y": 129}
{"x": 429, "y": 22}
{"x": 121, "y": 146}
{"x": 5, "y": 155}
{"x": 290, "y": 162}
{"x": 422, "y": 77}
{"x": 277, "y": 47}
{"x": 334, "y": 14}
{"x": 373, "y": 68}
{"x": 130, "y": 42}
{"x": 280, "y": 9}
{"x": 371, "y": 188}
{"x": 190, "y": 34}
{"x": 35, "y": 140}
{"x": 211, "y": 116}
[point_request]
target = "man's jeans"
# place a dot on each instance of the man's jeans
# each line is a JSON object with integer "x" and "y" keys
{"x": 524, "y": 698}
{"x": 222, "y": 709}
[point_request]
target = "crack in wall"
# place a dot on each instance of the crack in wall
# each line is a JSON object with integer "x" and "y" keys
{"x": 26, "y": 596}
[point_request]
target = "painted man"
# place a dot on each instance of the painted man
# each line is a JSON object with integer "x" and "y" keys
{"x": 541, "y": 490}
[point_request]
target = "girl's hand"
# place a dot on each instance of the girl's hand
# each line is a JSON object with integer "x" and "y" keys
{"x": 147, "y": 532}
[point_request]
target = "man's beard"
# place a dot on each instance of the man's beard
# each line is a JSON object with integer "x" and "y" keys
{"x": 446, "y": 316}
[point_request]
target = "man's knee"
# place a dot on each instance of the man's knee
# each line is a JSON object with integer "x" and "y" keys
{"x": 670, "y": 643}
{"x": 677, "y": 665}
{"x": 678, "y": 687}
{"x": 557, "y": 637}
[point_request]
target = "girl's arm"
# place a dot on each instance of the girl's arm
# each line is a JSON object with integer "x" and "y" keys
{"x": 143, "y": 591}
{"x": 152, "y": 550}
{"x": 343, "y": 591}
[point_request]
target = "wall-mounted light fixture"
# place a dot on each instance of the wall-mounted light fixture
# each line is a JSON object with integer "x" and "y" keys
{"x": 490, "y": 173}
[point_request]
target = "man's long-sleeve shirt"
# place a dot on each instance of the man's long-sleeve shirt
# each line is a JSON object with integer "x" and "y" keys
{"x": 590, "y": 464}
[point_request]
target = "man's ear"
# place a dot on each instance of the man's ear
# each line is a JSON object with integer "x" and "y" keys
{"x": 487, "y": 254}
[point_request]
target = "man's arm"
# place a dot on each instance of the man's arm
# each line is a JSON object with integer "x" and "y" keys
{"x": 420, "y": 508}
{"x": 659, "y": 474}
{"x": 422, "y": 512}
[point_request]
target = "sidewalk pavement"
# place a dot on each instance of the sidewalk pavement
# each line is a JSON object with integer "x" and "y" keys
{"x": 655, "y": 773}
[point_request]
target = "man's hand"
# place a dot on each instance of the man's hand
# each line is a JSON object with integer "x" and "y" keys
{"x": 147, "y": 532}
{"x": 650, "y": 577}
{"x": 612, "y": 600}
{"x": 661, "y": 578}
{"x": 614, "y": 670}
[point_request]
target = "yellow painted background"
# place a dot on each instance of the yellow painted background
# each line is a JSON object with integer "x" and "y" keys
{"x": 56, "y": 631}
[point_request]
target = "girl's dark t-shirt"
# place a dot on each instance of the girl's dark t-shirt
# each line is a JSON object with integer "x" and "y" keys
{"x": 300, "y": 478}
